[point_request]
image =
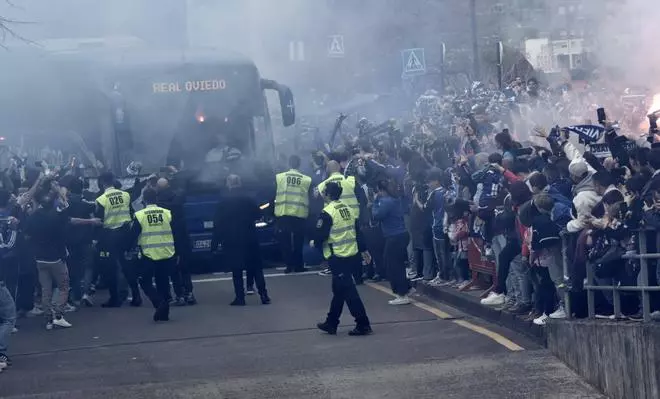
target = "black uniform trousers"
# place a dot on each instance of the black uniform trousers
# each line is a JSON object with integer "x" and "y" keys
{"x": 181, "y": 276}
{"x": 248, "y": 258}
{"x": 158, "y": 271}
{"x": 291, "y": 236}
{"x": 344, "y": 291}
{"x": 114, "y": 242}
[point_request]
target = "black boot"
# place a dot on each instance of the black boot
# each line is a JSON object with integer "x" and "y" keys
{"x": 327, "y": 327}
{"x": 265, "y": 300}
{"x": 360, "y": 330}
{"x": 162, "y": 312}
{"x": 238, "y": 302}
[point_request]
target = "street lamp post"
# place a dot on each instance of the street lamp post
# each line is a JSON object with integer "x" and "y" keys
{"x": 475, "y": 41}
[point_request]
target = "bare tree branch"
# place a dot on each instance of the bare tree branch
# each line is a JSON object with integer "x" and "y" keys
{"x": 7, "y": 31}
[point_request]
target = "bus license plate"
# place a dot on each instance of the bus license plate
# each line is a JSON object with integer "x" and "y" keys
{"x": 202, "y": 244}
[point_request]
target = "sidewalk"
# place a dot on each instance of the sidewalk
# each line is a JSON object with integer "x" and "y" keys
{"x": 468, "y": 302}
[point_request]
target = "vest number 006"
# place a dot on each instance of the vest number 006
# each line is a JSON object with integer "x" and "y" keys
{"x": 293, "y": 180}
{"x": 345, "y": 214}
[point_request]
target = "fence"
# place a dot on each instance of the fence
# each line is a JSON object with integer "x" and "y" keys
{"x": 642, "y": 286}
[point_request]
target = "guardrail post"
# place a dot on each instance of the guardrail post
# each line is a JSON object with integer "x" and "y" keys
{"x": 616, "y": 300}
{"x": 564, "y": 291}
{"x": 591, "y": 301}
{"x": 644, "y": 277}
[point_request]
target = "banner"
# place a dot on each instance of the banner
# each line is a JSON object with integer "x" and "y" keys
{"x": 587, "y": 133}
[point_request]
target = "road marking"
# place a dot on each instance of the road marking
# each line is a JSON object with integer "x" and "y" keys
{"x": 214, "y": 279}
{"x": 500, "y": 339}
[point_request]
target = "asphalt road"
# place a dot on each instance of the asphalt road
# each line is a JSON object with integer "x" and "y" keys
{"x": 216, "y": 351}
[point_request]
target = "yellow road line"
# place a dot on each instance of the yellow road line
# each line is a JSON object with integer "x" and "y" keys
{"x": 500, "y": 339}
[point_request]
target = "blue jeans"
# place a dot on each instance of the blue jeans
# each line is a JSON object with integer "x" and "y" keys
{"x": 7, "y": 317}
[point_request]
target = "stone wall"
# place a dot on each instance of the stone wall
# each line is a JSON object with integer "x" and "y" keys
{"x": 620, "y": 359}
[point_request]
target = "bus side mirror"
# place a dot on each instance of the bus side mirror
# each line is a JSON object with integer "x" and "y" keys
{"x": 287, "y": 105}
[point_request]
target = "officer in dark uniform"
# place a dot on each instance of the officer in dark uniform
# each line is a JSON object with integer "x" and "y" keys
{"x": 338, "y": 234}
{"x": 234, "y": 230}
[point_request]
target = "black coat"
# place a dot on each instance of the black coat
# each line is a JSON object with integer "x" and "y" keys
{"x": 172, "y": 201}
{"x": 234, "y": 229}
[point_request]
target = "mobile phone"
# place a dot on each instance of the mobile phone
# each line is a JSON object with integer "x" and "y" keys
{"x": 602, "y": 118}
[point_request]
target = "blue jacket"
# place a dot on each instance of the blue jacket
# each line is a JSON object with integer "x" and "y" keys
{"x": 561, "y": 211}
{"x": 436, "y": 202}
{"x": 563, "y": 187}
{"x": 389, "y": 212}
{"x": 489, "y": 182}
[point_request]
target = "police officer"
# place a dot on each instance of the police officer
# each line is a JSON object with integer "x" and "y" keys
{"x": 352, "y": 195}
{"x": 235, "y": 232}
{"x": 351, "y": 192}
{"x": 291, "y": 211}
{"x": 153, "y": 229}
{"x": 338, "y": 234}
{"x": 114, "y": 208}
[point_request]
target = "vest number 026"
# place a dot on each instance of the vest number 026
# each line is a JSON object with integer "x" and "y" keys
{"x": 155, "y": 219}
{"x": 293, "y": 180}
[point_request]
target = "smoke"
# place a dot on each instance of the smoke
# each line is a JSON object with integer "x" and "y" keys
{"x": 628, "y": 41}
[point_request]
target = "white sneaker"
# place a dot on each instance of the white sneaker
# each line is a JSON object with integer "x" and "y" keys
{"x": 463, "y": 284}
{"x": 249, "y": 291}
{"x": 540, "y": 321}
{"x": 61, "y": 322}
{"x": 493, "y": 299}
{"x": 560, "y": 313}
{"x": 49, "y": 325}
{"x": 3, "y": 365}
{"x": 36, "y": 311}
{"x": 14, "y": 330}
{"x": 400, "y": 300}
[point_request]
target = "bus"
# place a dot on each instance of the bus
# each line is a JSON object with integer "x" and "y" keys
{"x": 202, "y": 111}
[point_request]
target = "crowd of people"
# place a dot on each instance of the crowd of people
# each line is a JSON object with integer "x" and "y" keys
{"x": 476, "y": 176}
{"x": 473, "y": 172}
{"x": 59, "y": 242}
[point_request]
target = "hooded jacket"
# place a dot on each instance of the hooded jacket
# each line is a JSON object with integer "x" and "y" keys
{"x": 584, "y": 200}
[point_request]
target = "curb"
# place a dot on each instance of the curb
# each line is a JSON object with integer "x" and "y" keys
{"x": 471, "y": 305}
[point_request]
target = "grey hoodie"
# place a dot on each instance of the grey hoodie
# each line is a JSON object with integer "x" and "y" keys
{"x": 584, "y": 199}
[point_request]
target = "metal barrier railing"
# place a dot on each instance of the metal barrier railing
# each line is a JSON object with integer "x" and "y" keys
{"x": 642, "y": 282}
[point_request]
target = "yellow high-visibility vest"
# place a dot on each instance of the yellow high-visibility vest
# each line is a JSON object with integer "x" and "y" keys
{"x": 342, "y": 241}
{"x": 116, "y": 208}
{"x": 156, "y": 239}
{"x": 348, "y": 190}
{"x": 292, "y": 198}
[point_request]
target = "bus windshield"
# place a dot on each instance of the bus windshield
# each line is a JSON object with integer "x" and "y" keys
{"x": 187, "y": 116}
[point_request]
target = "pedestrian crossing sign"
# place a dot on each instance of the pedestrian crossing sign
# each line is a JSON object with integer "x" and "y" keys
{"x": 336, "y": 46}
{"x": 414, "y": 62}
